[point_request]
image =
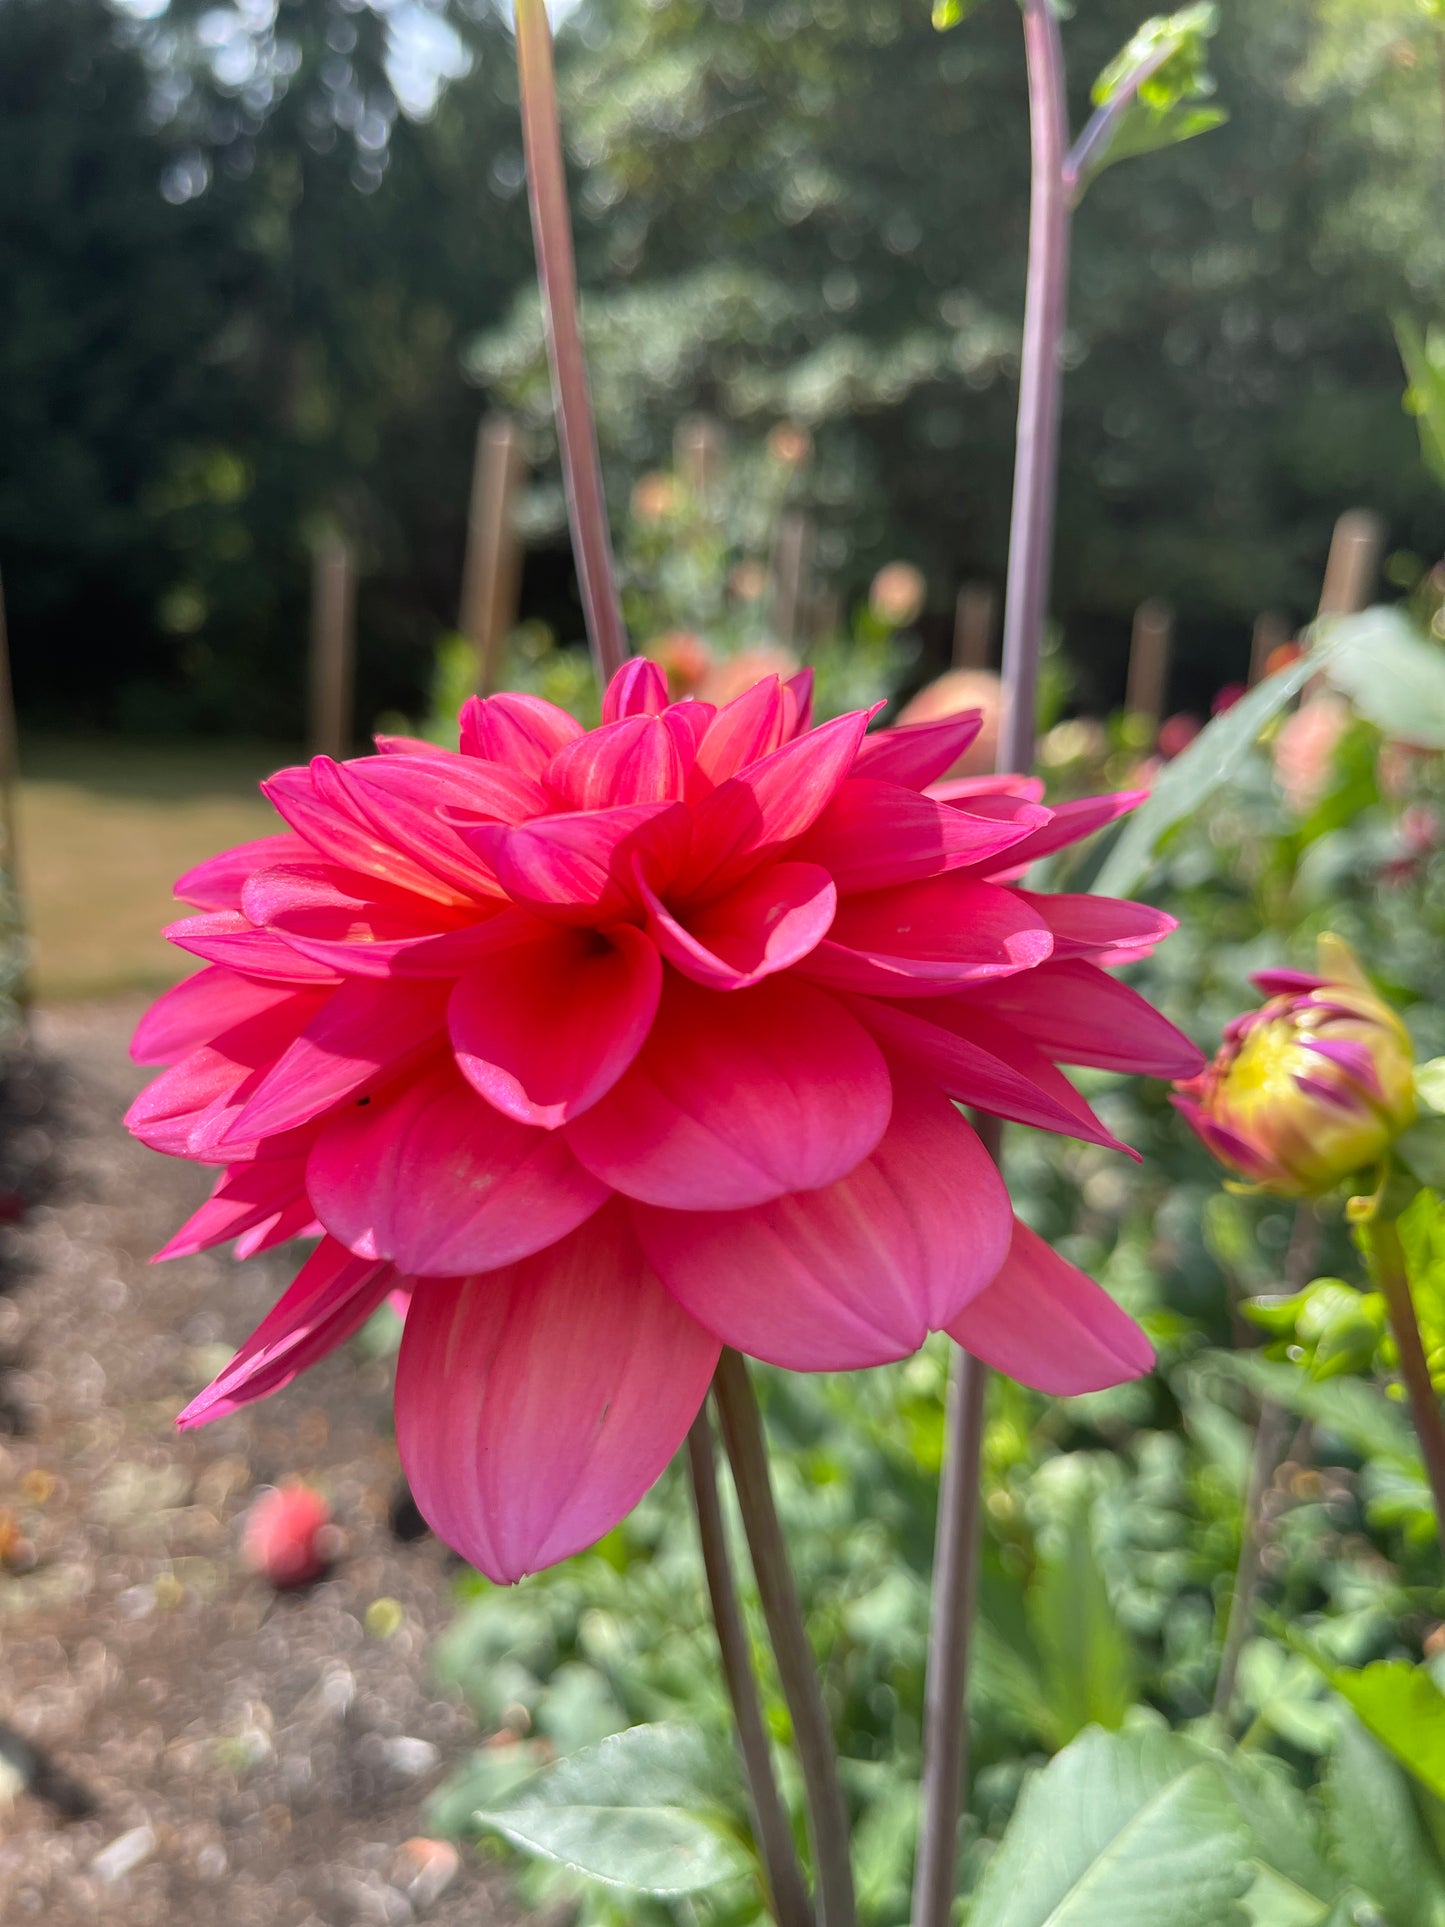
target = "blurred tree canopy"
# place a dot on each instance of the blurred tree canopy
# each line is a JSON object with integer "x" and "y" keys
{"x": 254, "y": 252}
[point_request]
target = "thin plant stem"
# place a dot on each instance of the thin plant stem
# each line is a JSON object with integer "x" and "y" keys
{"x": 788, "y": 1895}
{"x": 1269, "y": 1445}
{"x": 557, "y": 273}
{"x": 1031, "y": 528}
{"x": 742, "y": 1432}
{"x": 1036, "y": 461}
{"x": 1101, "y": 125}
{"x": 1394, "y": 1283}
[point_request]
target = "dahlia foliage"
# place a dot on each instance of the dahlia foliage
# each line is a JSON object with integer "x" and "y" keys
{"x": 608, "y": 1048}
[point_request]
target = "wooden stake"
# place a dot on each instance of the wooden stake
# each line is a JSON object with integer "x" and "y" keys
{"x": 333, "y": 648}
{"x": 792, "y": 560}
{"x": 492, "y": 572}
{"x": 698, "y": 451}
{"x": 1271, "y": 632}
{"x": 1354, "y": 561}
{"x": 973, "y": 625}
{"x": 1149, "y": 652}
{"x": 10, "y": 825}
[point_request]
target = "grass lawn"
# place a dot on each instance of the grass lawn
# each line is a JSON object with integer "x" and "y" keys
{"x": 106, "y": 825}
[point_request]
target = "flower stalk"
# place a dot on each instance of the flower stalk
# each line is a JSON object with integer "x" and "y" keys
{"x": 787, "y": 1893}
{"x": 742, "y": 1432}
{"x": 557, "y": 273}
{"x": 1031, "y": 535}
{"x": 1388, "y": 1263}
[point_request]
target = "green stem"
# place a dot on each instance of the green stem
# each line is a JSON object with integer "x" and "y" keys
{"x": 557, "y": 273}
{"x": 1394, "y": 1282}
{"x": 742, "y": 1431}
{"x": 789, "y": 1903}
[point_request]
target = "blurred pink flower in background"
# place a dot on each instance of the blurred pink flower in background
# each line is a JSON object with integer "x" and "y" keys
{"x": 1304, "y": 750}
{"x": 1176, "y": 733}
{"x": 1227, "y": 697}
{"x": 288, "y": 1537}
{"x": 618, "y": 1046}
{"x": 896, "y": 594}
{"x": 729, "y": 677}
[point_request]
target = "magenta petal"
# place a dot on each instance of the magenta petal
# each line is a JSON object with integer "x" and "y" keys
{"x": 769, "y": 922}
{"x": 970, "y": 789}
{"x": 363, "y": 1029}
{"x": 1071, "y": 821}
{"x": 316, "y": 802}
{"x": 522, "y": 732}
{"x": 985, "y": 1068}
{"x": 226, "y": 937}
{"x": 580, "y": 868}
{"x": 198, "y": 1009}
{"x": 216, "y": 884}
{"x": 248, "y": 1195}
{"x": 769, "y": 804}
{"x": 535, "y": 1406}
{"x": 858, "y": 1273}
{"x": 916, "y": 754}
{"x": 1077, "y": 1013}
{"x": 415, "y": 801}
{"x": 798, "y": 695}
{"x": 1109, "y": 929}
{"x": 921, "y": 939}
{"x": 1277, "y": 983}
{"x": 544, "y": 1030}
{"x": 638, "y": 689}
{"x": 437, "y": 1180}
{"x": 1043, "y": 1322}
{"x": 172, "y": 1112}
{"x": 751, "y": 726}
{"x": 734, "y": 1101}
{"x": 874, "y": 835}
{"x": 636, "y": 760}
{"x": 333, "y": 1296}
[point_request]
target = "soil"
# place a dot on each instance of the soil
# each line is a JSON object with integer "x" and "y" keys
{"x": 180, "y": 1741}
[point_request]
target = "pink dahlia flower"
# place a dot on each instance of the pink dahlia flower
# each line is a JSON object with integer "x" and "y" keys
{"x": 613, "y": 1047}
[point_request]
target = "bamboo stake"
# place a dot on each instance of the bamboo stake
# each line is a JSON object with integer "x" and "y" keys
{"x": 699, "y": 448}
{"x": 492, "y": 573}
{"x": 333, "y": 647}
{"x": 1150, "y": 648}
{"x": 1354, "y": 561}
{"x": 1271, "y": 632}
{"x": 792, "y": 561}
{"x": 973, "y": 625}
{"x": 10, "y": 819}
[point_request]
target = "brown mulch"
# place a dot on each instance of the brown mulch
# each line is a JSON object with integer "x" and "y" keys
{"x": 197, "y": 1746}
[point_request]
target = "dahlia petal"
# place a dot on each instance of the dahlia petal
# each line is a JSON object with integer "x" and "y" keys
{"x": 780, "y": 1089}
{"x": 1109, "y": 929}
{"x": 216, "y": 884}
{"x": 968, "y": 789}
{"x": 923, "y": 939}
{"x": 1044, "y": 1322}
{"x": 768, "y": 923}
{"x": 455, "y": 952}
{"x": 769, "y": 804}
{"x": 297, "y": 1220}
{"x": 331, "y": 1297}
{"x": 874, "y": 835}
{"x": 1283, "y": 983}
{"x": 544, "y": 1030}
{"x": 1075, "y": 1012}
{"x": 632, "y": 761}
{"x": 971, "y": 1066}
{"x": 316, "y": 909}
{"x": 523, "y": 732}
{"x": 579, "y": 868}
{"x": 798, "y": 695}
{"x": 226, "y": 937}
{"x": 414, "y": 801}
{"x": 247, "y": 1195}
{"x": 688, "y": 722}
{"x": 858, "y": 1273}
{"x": 314, "y": 801}
{"x": 535, "y": 1407}
{"x": 409, "y": 746}
{"x": 437, "y": 1180}
{"x": 362, "y": 1030}
{"x": 751, "y": 726}
{"x": 916, "y": 754}
{"x": 639, "y": 688}
{"x": 174, "y": 1110}
{"x": 194, "y": 1011}
{"x": 1069, "y": 822}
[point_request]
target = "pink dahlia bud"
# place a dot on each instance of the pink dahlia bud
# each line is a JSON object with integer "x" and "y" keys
{"x": 1310, "y": 1088}
{"x": 610, "y": 1047}
{"x": 289, "y": 1538}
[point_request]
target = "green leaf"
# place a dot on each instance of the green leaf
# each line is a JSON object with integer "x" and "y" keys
{"x": 1424, "y": 357}
{"x": 1295, "y": 1883}
{"x": 1359, "y": 1414}
{"x": 1394, "y": 676}
{"x": 1088, "y": 1662}
{"x": 1404, "y": 1709}
{"x": 1430, "y": 1083}
{"x": 640, "y": 1810}
{"x": 1135, "y": 1827}
{"x": 1150, "y": 95}
{"x": 1377, "y": 1833}
{"x": 1140, "y": 133}
{"x": 1210, "y": 760}
{"x": 950, "y": 13}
